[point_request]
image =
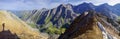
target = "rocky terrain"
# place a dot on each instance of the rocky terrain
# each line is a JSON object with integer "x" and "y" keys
{"x": 91, "y": 25}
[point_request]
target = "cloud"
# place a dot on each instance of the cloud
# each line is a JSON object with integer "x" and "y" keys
{"x": 98, "y": 2}
{"x": 38, "y": 4}
{"x": 112, "y": 2}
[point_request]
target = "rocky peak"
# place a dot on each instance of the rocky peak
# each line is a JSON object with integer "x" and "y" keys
{"x": 67, "y": 6}
{"x": 105, "y": 4}
{"x": 83, "y": 7}
{"x": 62, "y": 5}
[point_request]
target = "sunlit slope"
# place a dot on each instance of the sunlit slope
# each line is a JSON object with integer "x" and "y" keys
{"x": 15, "y": 25}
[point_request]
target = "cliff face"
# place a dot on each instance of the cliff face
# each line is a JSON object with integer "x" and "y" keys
{"x": 89, "y": 25}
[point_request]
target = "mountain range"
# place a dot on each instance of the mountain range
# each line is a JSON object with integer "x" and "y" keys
{"x": 58, "y": 19}
{"x": 62, "y": 10}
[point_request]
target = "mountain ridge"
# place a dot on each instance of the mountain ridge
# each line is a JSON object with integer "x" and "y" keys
{"x": 84, "y": 25}
{"x": 15, "y": 25}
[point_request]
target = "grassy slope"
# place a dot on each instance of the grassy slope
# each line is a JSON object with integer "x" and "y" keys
{"x": 118, "y": 19}
{"x": 17, "y": 26}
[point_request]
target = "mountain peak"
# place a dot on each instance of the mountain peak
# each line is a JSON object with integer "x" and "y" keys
{"x": 105, "y": 5}
{"x": 84, "y": 7}
{"x": 117, "y": 4}
{"x": 89, "y": 13}
{"x": 69, "y": 5}
{"x": 90, "y": 4}
{"x": 62, "y": 5}
{"x": 65, "y": 5}
{"x": 43, "y": 9}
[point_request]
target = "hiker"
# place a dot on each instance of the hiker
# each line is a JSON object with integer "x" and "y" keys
{"x": 3, "y": 26}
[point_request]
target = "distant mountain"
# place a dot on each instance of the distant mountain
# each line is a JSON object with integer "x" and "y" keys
{"x": 90, "y": 25}
{"x": 11, "y": 24}
{"x": 105, "y": 9}
{"x": 19, "y": 13}
{"x": 113, "y": 9}
{"x": 117, "y": 9}
{"x": 81, "y": 8}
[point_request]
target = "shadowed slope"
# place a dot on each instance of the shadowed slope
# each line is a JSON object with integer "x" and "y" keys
{"x": 83, "y": 27}
{"x": 8, "y": 35}
{"x": 91, "y": 25}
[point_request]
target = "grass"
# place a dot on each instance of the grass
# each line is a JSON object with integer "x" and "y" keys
{"x": 62, "y": 20}
{"x": 53, "y": 30}
{"x": 118, "y": 19}
{"x": 47, "y": 20}
{"x": 19, "y": 27}
{"x": 32, "y": 25}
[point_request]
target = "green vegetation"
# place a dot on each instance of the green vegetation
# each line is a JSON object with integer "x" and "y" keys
{"x": 62, "y": 20}
{"x": 49, "y": 28}
{"x": 25, "y": 15}
{"x": 32, "y": 25}
{"x": 118, "y": 20}
{"x": 53, "y": 30}
{"x": 47, "y": 20}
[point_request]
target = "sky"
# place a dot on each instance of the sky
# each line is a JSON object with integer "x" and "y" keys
{"x": 39, "y": 4}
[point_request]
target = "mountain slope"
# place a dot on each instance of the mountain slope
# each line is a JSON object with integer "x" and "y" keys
{"x": 83, "y": 27}
{"x": 58, "y": 17}
{"x": 90, "y": 26}
{"x": 15, "y": 25}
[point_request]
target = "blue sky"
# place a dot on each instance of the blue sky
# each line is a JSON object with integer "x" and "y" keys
{"x": 38, "y": 4}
